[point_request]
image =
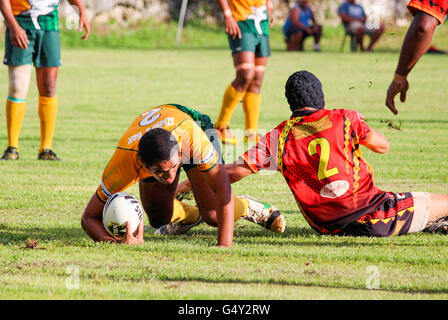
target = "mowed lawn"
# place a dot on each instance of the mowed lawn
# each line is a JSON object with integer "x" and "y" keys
{"x": 44, "y": 253}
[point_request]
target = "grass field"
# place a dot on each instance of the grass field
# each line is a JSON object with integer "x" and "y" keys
{"x": 44, "y": 254}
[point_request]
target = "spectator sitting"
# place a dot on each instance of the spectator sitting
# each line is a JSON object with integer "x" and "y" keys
{"x": 298, "y": 26}
{"x": 354, "y": 19}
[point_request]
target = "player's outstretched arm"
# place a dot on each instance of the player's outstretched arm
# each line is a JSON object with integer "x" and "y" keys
{"x": 92, "y": 221}
{"x": 376, "y": 142}
{"x": 417, "y": 40}
{"x": 218, "y": 180}
{"x": 92, "y": 224}
{"x": 235, "y": 172}
{"x": 17, "y": 34}
{"x": 83, "y": 21}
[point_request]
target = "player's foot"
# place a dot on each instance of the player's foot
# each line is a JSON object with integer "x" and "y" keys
{"x": 264, "y": 215}
{"x": 185, "y": 195}
{"x": 251, "y": 136}
{"x": 47, "y": 154}
{"x": 438, "y": 226}
{"x": 227, "y": 136}
{"x": 10, "y": 153}
{"x": 177, "y": 228}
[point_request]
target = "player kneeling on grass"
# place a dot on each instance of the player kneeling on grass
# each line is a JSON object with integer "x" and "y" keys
{"x": 152, "y": 151}
{"x": 318, "y": 153}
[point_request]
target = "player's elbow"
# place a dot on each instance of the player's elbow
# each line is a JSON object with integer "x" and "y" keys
{"x": 382, "y": 147}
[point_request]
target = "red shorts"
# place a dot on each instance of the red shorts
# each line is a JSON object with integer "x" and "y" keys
{"x": 436, "y": 8}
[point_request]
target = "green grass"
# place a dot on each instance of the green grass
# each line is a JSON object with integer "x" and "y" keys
{"x": 102, "y": 90}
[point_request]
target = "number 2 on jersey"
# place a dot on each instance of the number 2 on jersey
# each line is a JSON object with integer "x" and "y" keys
{"x": 323, "y": 171}
{"x": 150, "y": 117}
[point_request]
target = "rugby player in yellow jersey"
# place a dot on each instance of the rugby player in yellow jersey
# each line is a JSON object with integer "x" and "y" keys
{"x": 247, "y": 25}
{"x": 152, "y": 151}
{"x": 32, "y": 37}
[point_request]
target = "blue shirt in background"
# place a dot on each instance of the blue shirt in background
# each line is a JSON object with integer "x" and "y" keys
{"x": 353, "y": 10}
{"x": 304, "y": 18}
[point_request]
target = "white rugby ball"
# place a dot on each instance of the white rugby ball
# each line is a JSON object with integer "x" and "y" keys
{"x": 119, "y": 208}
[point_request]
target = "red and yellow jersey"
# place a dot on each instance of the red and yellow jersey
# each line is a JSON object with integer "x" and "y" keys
{"x": 242, "y": 9}
{"x": 436, "y": 8}
{"x": 33, "y": 7}
{"x": 124, "y": 168}
{"x": 320, "y": 158}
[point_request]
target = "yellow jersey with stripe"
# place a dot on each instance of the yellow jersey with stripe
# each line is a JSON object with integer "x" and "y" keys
{"x": 36, "y": 14}
{"x": 242, "y": 9}
{"x": 125, "y": 168}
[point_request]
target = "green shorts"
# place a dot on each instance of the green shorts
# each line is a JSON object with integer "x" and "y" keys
{"x": 44, "y": 50}
{"x": 258, "y": 43}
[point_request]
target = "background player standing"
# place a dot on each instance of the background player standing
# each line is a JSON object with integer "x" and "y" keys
{"x": 32, "y": 36}
{"x": 247, "y": 24}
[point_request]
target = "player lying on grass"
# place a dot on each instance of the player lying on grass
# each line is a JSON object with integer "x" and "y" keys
{"x": 318, "y": 153}
{"x": 152, "y": 151}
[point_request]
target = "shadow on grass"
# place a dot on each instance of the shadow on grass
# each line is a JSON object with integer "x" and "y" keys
{"x": 291, "y": 282}
{"x": 244, "y": 235}
{"x": 17, "y": 236}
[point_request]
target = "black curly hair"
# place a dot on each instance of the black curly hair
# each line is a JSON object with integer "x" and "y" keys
{"x": 157, "y": 145}
{"x": 303, "y": 89}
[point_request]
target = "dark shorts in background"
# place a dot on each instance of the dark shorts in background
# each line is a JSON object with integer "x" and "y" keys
{"x": 252, "y": 42}
{"x": 292, "y": 30}
{"x": 44, "y": 50}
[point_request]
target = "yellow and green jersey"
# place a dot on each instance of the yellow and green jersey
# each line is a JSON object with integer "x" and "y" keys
{"x": 125, "y": 168}
{"x": 251, "y": 15}
{"x": 36, "y": 14}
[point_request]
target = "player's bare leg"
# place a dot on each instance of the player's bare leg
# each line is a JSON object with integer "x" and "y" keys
{"x": 244, "y": 63}
{"x": 19, "y": 80}
{"x": 158, "y": 201}
{"x": 48, "y": 107}
{"x": 438, "y": 213}
{"x": 165, "y": 212}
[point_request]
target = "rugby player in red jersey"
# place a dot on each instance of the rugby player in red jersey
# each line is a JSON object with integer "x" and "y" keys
{"x": 318, "y": 152}
{"x": 427, "y": 15}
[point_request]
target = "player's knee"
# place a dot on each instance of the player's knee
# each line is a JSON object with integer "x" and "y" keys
{"x": 157, "y": 222}
{"x": 426, "y": 25}
{"x": 247, "y": 76}
{"x": 19, "y": 80}
{"x": 158, "y": 216}
{"x": 47, "y": 90}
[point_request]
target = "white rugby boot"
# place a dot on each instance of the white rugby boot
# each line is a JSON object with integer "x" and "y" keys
{"x": 264, "y": 214}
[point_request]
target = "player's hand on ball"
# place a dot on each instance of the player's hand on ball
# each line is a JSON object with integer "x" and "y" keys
{"x": 137, "y": 237}
{"x": 394, "y": 89}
